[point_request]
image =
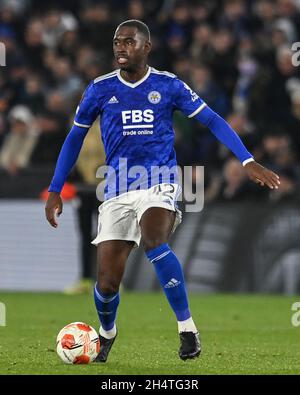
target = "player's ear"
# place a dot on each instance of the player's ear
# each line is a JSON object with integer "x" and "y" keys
{"x": 148, "y": 46}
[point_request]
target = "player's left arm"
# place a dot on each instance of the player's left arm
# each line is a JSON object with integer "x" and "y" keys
{"x": 186, "y": 100}
{"x": 227, "y": 136}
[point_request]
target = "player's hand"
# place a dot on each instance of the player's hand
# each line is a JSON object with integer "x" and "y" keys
{"x": 262, "y": 175}
{"x": 53, "y": 208}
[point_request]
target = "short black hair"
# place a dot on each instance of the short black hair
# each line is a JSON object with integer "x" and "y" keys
{"x": 141, "y": 27}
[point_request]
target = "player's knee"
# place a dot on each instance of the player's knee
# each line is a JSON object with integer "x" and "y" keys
{"x": 151, "y": 243}
{"x": 107, "y": 286}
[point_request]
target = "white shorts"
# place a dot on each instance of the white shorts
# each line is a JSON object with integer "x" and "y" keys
{"x": 120, "y": 216}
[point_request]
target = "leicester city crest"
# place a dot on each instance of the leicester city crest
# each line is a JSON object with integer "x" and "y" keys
{"x": 154, "y": 97}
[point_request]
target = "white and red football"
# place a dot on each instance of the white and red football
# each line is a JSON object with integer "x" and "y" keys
{"x": 77, "y": 343}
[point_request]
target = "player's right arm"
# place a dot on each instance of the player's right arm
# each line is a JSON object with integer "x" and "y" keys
{"x": 86, "y": 113}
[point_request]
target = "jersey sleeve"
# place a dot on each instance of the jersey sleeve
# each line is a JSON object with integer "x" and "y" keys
{"x": 186, "y": 100}
{"x": 88, "y": 108}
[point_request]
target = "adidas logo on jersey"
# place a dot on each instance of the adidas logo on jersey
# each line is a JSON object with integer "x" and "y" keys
{"x": 113, "y": 100}
{"x": 172, "y": 283}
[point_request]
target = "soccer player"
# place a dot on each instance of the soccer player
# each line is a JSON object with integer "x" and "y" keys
{"x": 135, "y": 104}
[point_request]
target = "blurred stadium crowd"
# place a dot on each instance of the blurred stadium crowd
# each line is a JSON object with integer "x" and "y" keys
{"x": 236, "y": 54}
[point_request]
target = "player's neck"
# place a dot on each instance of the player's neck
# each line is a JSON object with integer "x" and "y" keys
{"x": 134, "y": 75}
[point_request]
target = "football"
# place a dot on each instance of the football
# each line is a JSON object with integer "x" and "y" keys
{"x": 77, "y": 343}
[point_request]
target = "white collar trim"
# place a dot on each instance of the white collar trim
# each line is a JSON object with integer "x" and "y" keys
{"x": 135, "y": 84}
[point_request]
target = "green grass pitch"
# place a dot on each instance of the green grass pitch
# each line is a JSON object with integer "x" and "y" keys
{"x": 241, "y": 334}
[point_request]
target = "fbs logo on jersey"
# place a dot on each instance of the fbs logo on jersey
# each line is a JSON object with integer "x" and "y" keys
{"x": 137, "y": 122}
{"x": 113, "y": 100}
{"x": 137, "y": 117}
{"x": 154, "y": 97}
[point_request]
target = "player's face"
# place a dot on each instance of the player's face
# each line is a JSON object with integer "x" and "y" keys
{"x": 130, "y": 48}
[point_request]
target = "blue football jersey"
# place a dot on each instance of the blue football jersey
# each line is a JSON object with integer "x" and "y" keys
{"x": 136, "y": 121}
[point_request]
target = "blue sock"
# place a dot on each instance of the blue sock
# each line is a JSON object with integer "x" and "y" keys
{"x": 170, "y": 275}
{"x": 106, "y": 306}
